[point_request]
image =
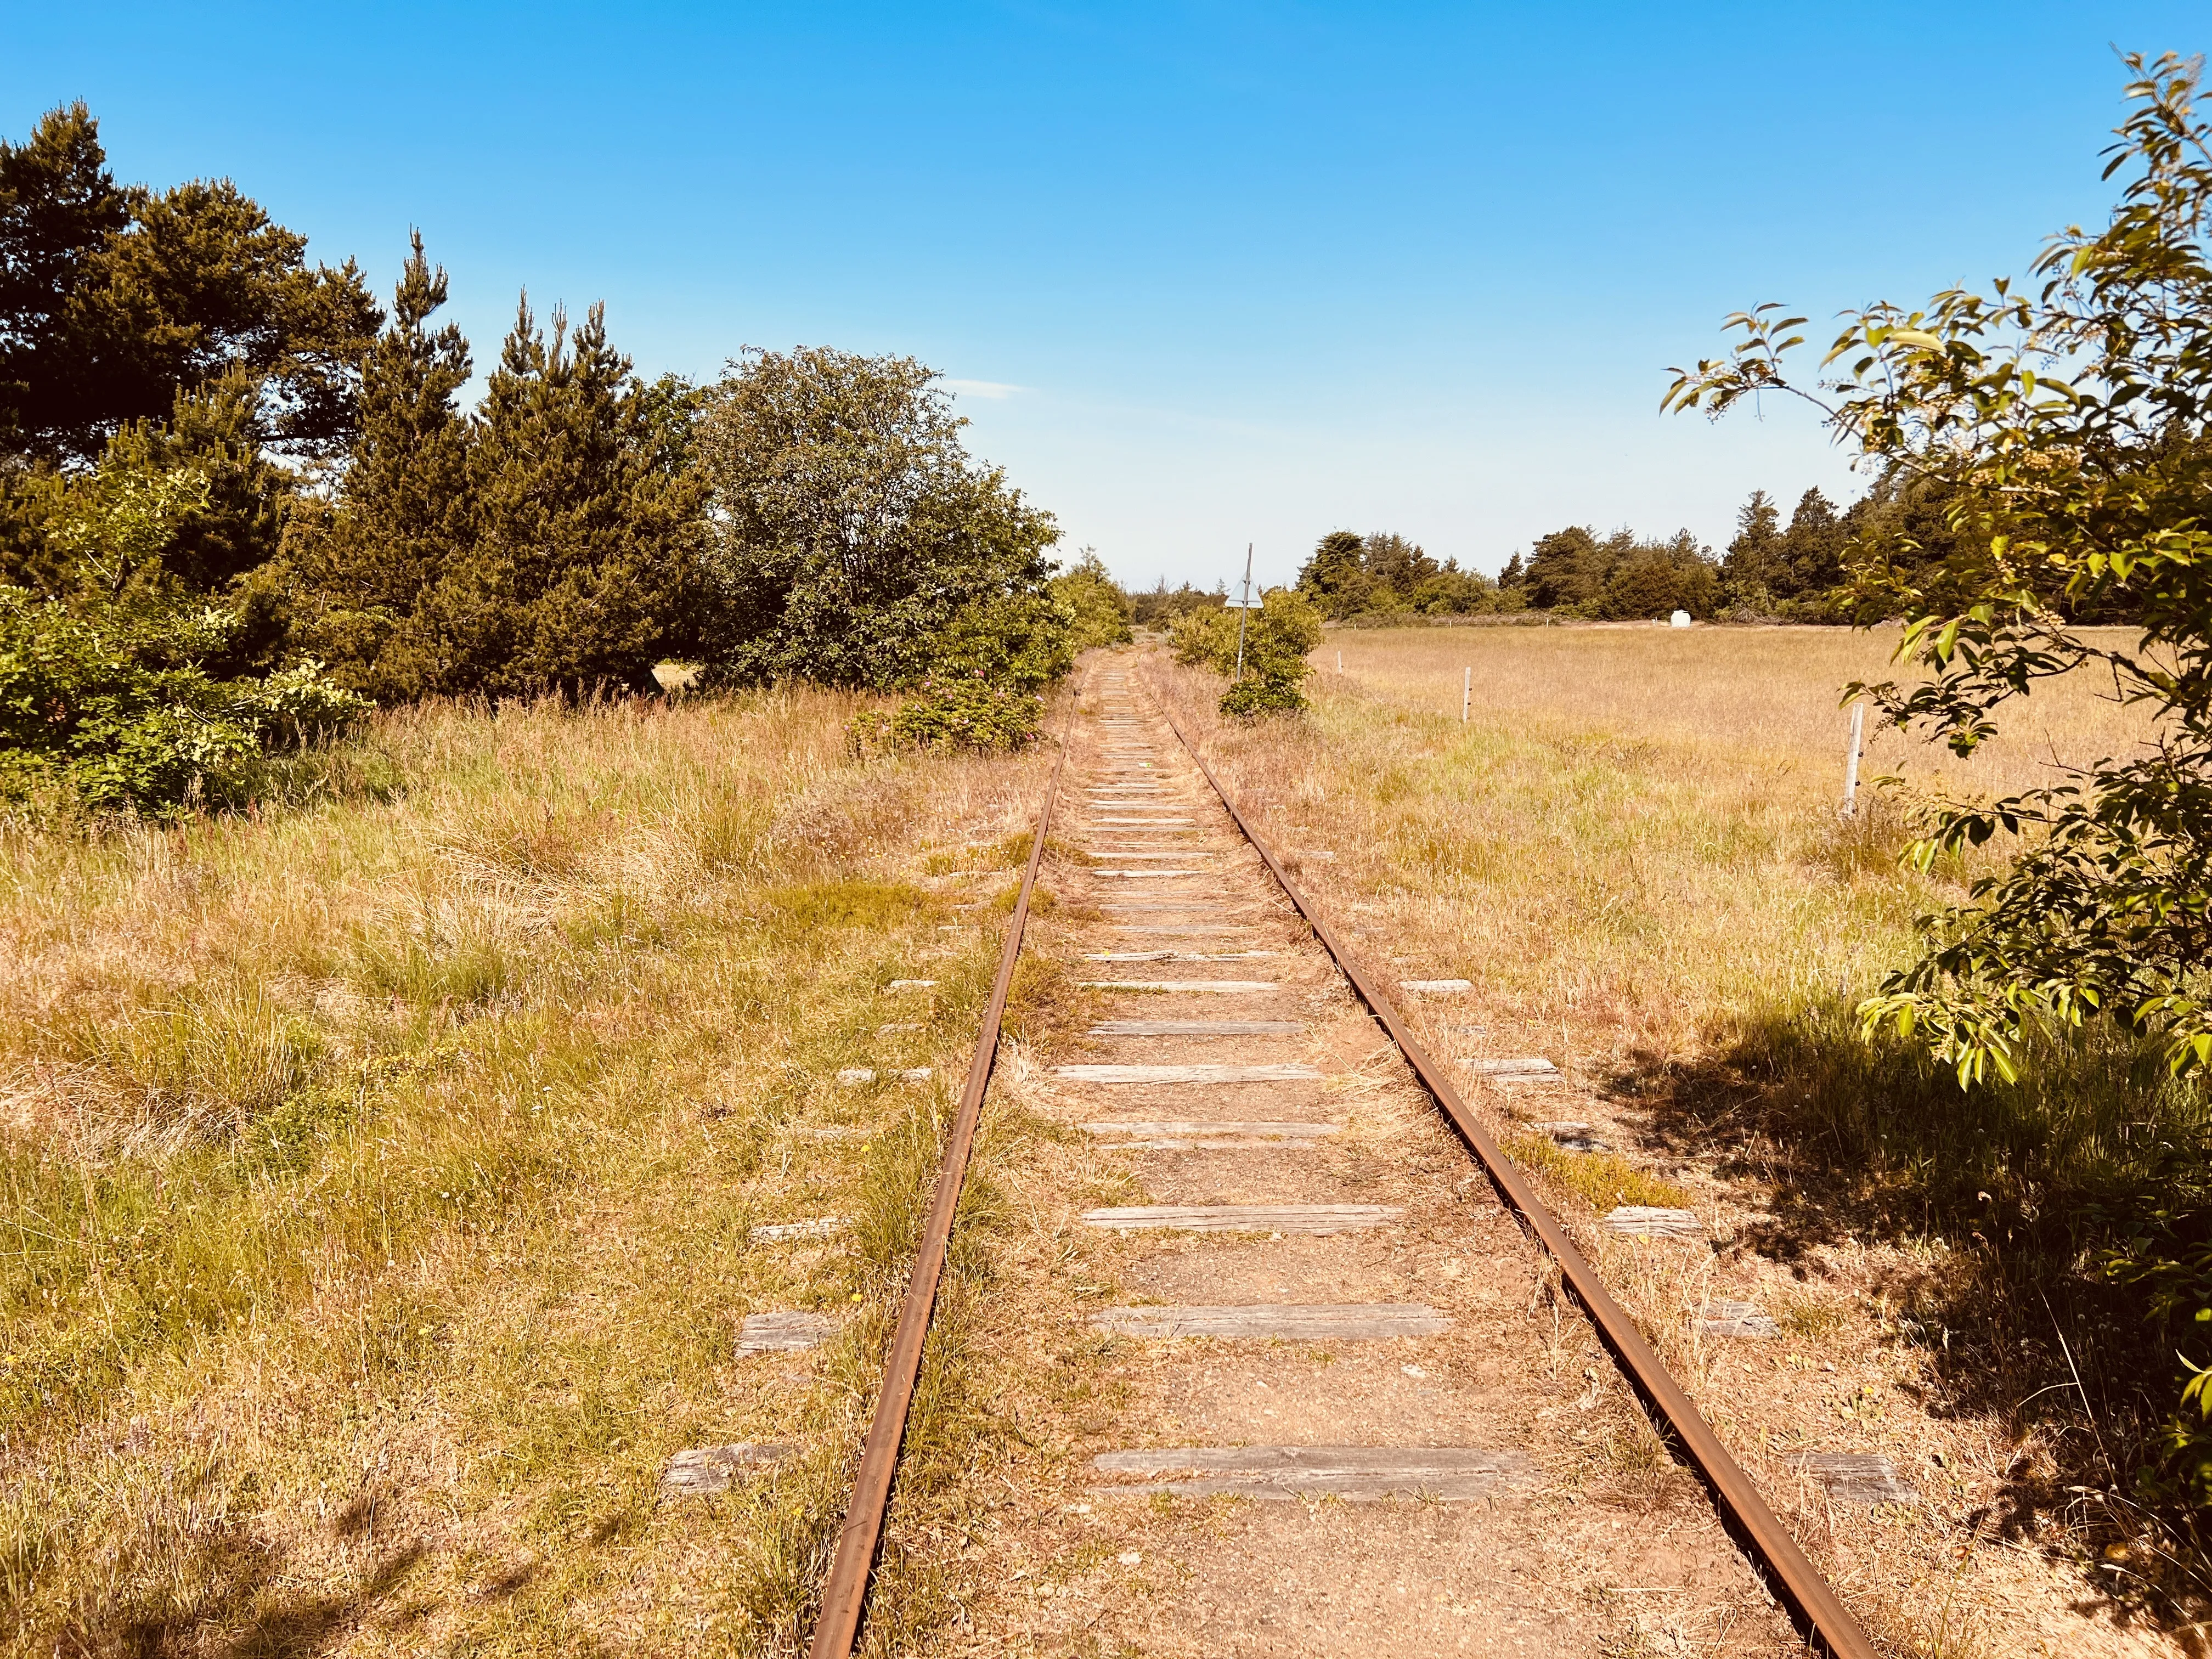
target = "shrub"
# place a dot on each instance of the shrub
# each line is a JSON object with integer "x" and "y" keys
{"x": 969, "y": 711}
{"x": 110, "y": 709}
{"x": 1098, "y": 608}
{"x": 1276, "y": 638}
{"x": 1205, "y": 639}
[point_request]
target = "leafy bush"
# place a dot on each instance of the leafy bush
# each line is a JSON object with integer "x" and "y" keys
{"x": 855, "y": 542}
{"x": 110, "y": 710}
{"x": 1098, "y": 609}
{"x": 1205, "y": 639}
{"x": 1276, "y": 638}
{"x": 957, "y": 711}
{"x": 2052, "y": 432}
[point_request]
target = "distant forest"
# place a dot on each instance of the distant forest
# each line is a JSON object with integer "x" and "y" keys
{"x": 1816, "y": 568}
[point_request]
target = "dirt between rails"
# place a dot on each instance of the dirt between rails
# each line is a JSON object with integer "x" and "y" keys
{"x": 1609, "y": 1549}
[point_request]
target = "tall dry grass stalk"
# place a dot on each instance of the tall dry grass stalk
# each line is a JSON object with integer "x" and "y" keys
{"x": 379, "y": 1176}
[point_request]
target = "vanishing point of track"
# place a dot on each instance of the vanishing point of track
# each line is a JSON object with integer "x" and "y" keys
{"x": 1819, "y": 1615}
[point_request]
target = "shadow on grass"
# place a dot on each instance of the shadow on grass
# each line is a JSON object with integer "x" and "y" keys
{"x": 2015, "y": 1203}
{"x": 246, "y": 1612}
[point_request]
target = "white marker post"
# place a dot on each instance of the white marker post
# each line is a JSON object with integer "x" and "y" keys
{"x": 1340, "y": 662}
{"x": 1465, "y": 695}
{"x": 1851, "y": 762}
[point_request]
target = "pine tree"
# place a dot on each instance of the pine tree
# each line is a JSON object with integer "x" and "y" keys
{"x": 1397, "y": 565}
{"x": 1335, "y": 578}
{"x": 583, "y": 571}
{"x": 59, "y": 206}
{"x": 113, "y": 300}
{"x": 1754, "y": 571}
{"x": 403, "y": 515}
{"x": 1812, "y": 547}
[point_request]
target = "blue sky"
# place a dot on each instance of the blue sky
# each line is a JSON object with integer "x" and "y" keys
{"x": 1203, "y": 273}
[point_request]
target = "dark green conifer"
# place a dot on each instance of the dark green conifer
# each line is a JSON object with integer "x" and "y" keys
{"x": 583, "y": 571}
{"x": 358, "y": 577}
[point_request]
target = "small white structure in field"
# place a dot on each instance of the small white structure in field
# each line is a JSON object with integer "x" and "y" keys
{"x": 1679, "y": 619}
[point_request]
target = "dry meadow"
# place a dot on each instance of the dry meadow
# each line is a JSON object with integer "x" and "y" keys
{"x": 383, "y": 1175}
{"x": 1631, "y": 847}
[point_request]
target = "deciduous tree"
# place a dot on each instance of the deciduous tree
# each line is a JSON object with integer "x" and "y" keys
{"x": 851, "y": 527}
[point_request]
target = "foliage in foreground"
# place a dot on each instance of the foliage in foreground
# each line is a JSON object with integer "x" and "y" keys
{"x": 2060, "y": 428}
{"x": 445, "y": 1124}
{"x": 114, "y": 712}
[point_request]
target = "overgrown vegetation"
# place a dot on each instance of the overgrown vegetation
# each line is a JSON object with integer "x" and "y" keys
{"x": 2060, "y": 425}
{"x": 242, "y": 468}
{"x": 1261, "y": 651}
{"x": 382, "y": 1179}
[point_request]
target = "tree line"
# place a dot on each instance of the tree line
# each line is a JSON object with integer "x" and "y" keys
{"x": 1827, "y": 565}
{"x": 240, "y": 499}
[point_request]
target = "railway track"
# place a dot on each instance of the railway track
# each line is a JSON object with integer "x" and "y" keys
{"x": 1237, "y": 1009}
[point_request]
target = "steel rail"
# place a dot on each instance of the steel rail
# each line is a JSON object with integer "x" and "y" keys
{"x": 1813, "y": 1603}
{"x": 845, "y": 1592}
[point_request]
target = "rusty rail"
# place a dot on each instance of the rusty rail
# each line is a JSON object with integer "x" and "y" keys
{"x": 845, "y": 1592}
{"x": 1812, "y": 1600}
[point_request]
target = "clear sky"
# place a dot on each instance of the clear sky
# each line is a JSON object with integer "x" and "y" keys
{"x": 1203, "y": 273}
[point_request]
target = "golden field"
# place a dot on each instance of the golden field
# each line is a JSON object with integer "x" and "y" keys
{"x": 1632, "y": 850}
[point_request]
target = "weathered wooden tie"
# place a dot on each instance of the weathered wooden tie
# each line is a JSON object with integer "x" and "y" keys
{"x": 1243, "y": 1217}
{"x": 1525, "y": 1068}
{"x": 716, "y": 1468}
{"x": 1644, "y": 1221}
{"x": 1854, "y": 1477}
{"x": 1327, "y": 1322}
{"x": 1175, "y": 955}
{"x": 1181, "y": 1129}
{"x": 1289, "y": 1071}
{"x": 826, "y": 1227}
{"x": 784, "y": 1333}
{"x": 1196, "y": 1028}
{"x": 1746, "y": 1319}
{"x": 1449, "y": 1472}
{"x": 1575, "y": 1137}
{"x": 1224, "y": 986}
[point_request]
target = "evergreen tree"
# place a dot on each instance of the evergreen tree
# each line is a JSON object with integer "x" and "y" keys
{"x": 1812, "y": 547}
{"x": 1567, "y": 567}
{"x": 1754, "y": 571}
{"x": 584, "y": 568}
{"x": 1396, "y": 566}
{"x": 112, "y": 300}
{"x": 403, "y": 517}
{"x": 59, "y": 206}
{"x": 1335, "y": 578}
{"x": 1515, "y": 576}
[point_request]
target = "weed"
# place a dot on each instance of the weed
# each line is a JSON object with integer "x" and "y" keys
{"x": 1602, "y": 1180}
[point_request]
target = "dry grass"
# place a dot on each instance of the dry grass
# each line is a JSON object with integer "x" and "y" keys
{"x": 1722, "y": 699}
{"x": 1632, "y": 850}
{"x": 380, "y": 1178}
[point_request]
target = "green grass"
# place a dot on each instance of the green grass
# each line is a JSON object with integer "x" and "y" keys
{"x": 379, "y": 1202}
